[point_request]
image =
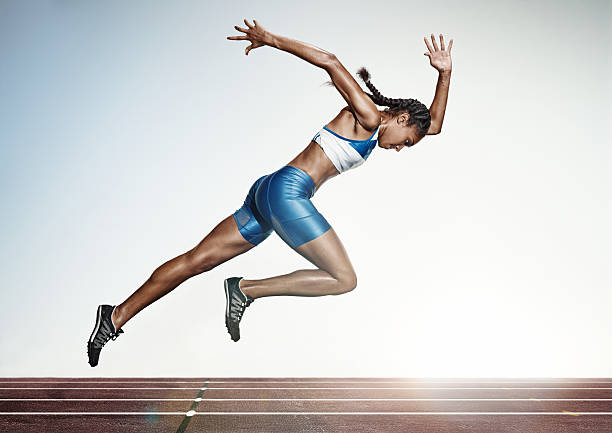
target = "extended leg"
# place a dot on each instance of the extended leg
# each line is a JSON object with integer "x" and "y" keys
{"x": 221, "y": 244}
{"x": 334, "y": 276}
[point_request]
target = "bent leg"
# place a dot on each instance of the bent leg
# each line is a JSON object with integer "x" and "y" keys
{"x": 334, "y": 276}
{"x": 223, "y": 243}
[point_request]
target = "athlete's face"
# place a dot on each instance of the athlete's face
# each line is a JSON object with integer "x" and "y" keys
{"x": 397, "y": 135}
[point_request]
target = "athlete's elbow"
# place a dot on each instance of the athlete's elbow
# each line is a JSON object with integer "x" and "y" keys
{"x": 434, "y": 128}
{"x": 330, "y": 60}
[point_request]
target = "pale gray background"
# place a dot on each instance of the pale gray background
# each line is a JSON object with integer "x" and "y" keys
{"x": 129, "y": 129}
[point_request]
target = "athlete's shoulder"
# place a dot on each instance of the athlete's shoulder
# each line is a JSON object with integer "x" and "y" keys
{"x": 348, "y": 112}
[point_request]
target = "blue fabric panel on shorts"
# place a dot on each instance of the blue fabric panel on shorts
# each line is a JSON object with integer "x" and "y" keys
{"x": 250, "y": 222}
{"x": 281, "y": 201}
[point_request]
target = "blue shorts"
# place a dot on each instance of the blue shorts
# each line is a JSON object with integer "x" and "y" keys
{"x": 280, "y": 201}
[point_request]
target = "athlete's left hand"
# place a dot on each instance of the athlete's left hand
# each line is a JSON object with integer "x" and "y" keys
{"x": 439, "y": 58}
{"x": 255, "y": 33}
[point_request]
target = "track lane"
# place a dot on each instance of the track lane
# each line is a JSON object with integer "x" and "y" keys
{"x": 291, "y": 404}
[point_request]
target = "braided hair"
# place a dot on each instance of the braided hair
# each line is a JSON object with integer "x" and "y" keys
{"x": 419, "y": 113}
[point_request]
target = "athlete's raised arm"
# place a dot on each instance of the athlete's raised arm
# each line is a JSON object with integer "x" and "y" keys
{"x": 365, "y": 110}
{"x": 440, "y": 59}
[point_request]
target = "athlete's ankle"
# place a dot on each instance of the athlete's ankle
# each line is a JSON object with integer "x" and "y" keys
{"x": 245, "y": 288}
{"x": 116, "y": 318}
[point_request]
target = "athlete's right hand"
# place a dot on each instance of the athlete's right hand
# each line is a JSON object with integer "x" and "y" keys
{"x": 257, "y": 35}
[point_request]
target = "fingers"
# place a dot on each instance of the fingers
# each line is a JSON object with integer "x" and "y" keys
{"x": 435, "y": 44}
{"x": 248, "y": 37}
{"x": 428, "y": 45}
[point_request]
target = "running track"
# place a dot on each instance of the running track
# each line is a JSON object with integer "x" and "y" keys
{"x": 285, "y": 405}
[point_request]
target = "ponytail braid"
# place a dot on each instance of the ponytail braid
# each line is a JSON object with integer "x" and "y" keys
{"x": 419, "y": 113}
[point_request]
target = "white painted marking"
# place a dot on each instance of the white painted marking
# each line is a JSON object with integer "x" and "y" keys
{"x": 96, "y": 399}
{"x": 190, "y": 413}
{"x": 115, "y": 388}
{"x": 307, "y": 399}
{"x": 334, "y": 388}
{"x": 408, "y": 399}
{"x": 305, "y": 381}
{"x": 405, "y": 413}
{"x": 387, "y": 388}
{"x": 408, "y": 381}
{"x": 312, "y": 413}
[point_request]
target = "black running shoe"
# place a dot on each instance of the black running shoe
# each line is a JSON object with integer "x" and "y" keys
{"x": 235, "y": 303}
{"x": 102, "y": 332}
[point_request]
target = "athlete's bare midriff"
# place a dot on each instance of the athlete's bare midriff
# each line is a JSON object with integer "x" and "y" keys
{"x": 313, "y": 159}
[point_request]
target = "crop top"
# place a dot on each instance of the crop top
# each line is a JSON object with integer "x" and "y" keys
{"x": 343, "y": 152}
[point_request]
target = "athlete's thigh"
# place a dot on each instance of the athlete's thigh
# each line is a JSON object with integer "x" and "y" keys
{"x": 328, "y": 253}
{"x": 235, "y": 235}
{"x": 222, "y": 243}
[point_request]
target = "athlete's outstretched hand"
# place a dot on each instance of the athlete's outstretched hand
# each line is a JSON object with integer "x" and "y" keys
{"x": 439, "y": 58}
{"x": 256, "y": 34}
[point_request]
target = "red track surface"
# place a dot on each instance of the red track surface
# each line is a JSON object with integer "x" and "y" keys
{"x": 304, "y": 405}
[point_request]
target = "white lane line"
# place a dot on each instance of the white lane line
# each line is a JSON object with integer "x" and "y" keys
{"x": 96, "y": 387}
{"x": 97, "y": 399}
{"x": 92, "y": 413}
{"x": 312, "y": 413}
{"x": 304, "y": 381}
{"x": 408, "y": 381}
{"x": 386, "y": 388}
{"x": 313, "y": 387}
{"x": 531, "y": 399}
{"x": 409, "y": 399}
{"x": 389, "y": 388}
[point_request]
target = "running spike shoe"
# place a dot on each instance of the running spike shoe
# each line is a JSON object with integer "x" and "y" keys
{"x": 102, "y": 332}
{"x": 236, "y": 303}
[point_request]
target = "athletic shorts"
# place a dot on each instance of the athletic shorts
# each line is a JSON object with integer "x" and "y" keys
{"x": 280, "y": 201}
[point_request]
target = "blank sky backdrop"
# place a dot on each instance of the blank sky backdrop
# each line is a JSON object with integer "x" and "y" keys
{"x": 129, "y": 129}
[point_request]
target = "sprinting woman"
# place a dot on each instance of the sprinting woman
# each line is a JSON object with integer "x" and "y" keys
{"x": 280, "y": 201}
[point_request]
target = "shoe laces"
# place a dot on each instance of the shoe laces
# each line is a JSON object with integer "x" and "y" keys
{"x": 114, "y": 335}
{"x": 104, "y": 335}
{"x": 238, "y": 310}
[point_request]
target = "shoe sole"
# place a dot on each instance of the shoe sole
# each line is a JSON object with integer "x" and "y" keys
{"x": 98, "y": 323}
{"x": 91, "y": 350}
{"x": 227, "y": 301}
{"x": 227, "y": 308}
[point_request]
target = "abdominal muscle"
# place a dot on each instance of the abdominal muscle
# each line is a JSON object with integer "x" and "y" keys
{"x": 313, "y": 161}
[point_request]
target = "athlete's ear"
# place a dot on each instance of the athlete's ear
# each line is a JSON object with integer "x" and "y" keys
{"x": 403, "y": 118}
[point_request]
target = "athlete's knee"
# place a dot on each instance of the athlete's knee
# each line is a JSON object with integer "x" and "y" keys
{"x": 346, "y": 283}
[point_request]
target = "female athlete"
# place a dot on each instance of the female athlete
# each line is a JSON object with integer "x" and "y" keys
{"x": 280, "y": 201}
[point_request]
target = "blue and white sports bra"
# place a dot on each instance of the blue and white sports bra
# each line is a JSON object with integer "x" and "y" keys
{"x": 343, "y": 152}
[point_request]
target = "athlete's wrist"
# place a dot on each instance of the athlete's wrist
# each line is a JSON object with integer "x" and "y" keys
{"x": 272, "y": 40}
